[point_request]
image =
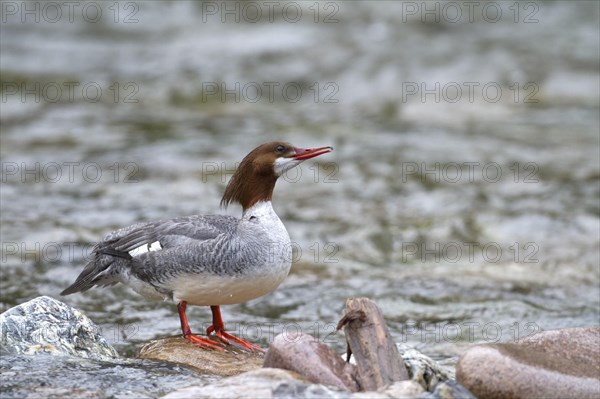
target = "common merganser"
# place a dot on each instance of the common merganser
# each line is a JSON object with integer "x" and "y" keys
{"x": 207, "y": 260}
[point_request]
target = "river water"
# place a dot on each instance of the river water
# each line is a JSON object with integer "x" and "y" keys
{"x": 462, "y": 195}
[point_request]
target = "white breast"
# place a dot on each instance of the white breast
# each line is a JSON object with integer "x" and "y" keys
{"x": 208, "y": 290}
{"x": 262, "y": 234}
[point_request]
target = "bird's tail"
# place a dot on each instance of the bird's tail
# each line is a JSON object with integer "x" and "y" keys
{"x": 103, "y": 270}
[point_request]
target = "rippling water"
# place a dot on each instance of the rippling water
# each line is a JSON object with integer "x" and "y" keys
{"x": 462, "y": 195}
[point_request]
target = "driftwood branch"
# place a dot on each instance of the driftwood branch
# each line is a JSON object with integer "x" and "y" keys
{"x": 378, "y": 361}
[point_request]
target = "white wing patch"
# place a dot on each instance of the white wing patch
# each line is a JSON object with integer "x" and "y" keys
{"x": 142, "y": 249}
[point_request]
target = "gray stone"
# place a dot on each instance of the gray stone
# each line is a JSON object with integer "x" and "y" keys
{"x": 261, "y": 383}
{"x": 279, "y": 383}
{"x": 404, "y": 389}
{"x": 45, "y": 325}
{"x": 297, "y": 389}
{"x": 231, "y": 361}
{"x": 552, "y": 364}
{"x": 48, "y": 376}
{"x": 451, "y": 390}
{"x": 307, "y": 356}
{"x": 371, "y": 395}
{"x": 423, "y": 369}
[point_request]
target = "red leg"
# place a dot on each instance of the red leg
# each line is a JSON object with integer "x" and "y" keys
{"x": 219, "y": 328}
{"x": 187, "y": 332}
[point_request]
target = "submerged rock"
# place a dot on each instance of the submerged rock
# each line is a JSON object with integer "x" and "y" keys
{"x": 231, "y": 361}
{"x": 48, "y": 376}
{"x": 552, "y": 364}
{"x": 307, "y": 356}
{"x": 262, "y": 383}
{"x": 303, "y": 354}
{"x": 45, "y": 325}
{"x": 277, "y": 383}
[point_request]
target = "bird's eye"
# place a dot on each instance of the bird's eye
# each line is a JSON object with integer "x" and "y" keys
{"x": 280, "y": 148}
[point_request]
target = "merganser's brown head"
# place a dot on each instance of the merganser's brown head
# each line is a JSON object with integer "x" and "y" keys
{"x": 255, "y": 178}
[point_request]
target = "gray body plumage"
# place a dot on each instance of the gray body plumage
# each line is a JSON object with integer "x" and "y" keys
{"x": 203, "y": 260}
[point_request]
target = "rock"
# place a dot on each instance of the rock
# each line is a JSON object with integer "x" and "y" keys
{"x": 49, "y": 376}
{"x": 230, "y": 362}
{"x": 305, "y": 355}
{"x": 278, "y": 383}
{"x": 377, "y": 359}
{"x": 404, "y": 389}
{"x": 298, "y": 389}
{"x": 372, "y": 395}
{"x": 45, "y": 325}
{"x": 552, "y": 364}
{"x": 451, "y": 390}
{"x": 423, "y": 369}
{"x": 430, "y": 376}
{"x": 262, "y": 383}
